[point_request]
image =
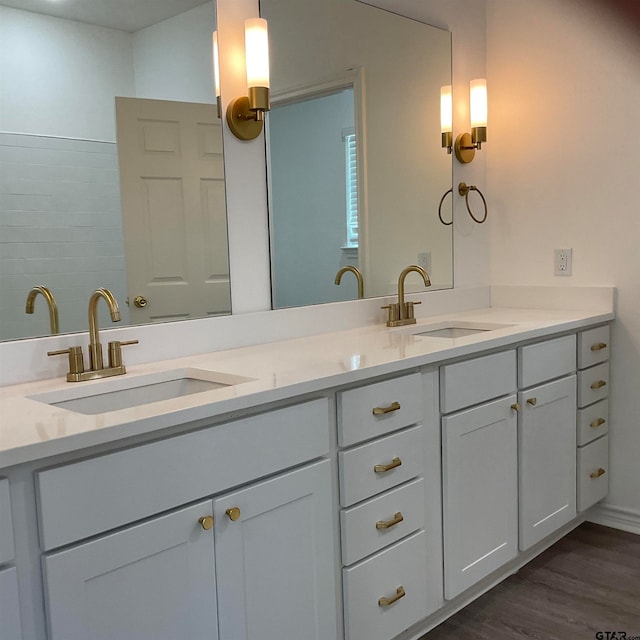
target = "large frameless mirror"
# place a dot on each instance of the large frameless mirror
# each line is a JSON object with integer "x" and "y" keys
{"x": 111, "y": 171}
{"x": 356, "y": 167}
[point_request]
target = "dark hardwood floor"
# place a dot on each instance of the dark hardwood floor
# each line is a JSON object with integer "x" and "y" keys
{"x": 588, "y": 582}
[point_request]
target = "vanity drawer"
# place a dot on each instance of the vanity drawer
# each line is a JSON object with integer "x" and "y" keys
{"x": 464, "y": 384}
{"x": 593, "y": 346}
{"x": 6, "y": 523}
{"x": 10, "y": 627}
{"x": 593, "y": 472}
{"x": 402, "y": 510}
{"x": 593, "y": 422}
{"x": 379, "y": 408}
{"x": 546, "y": 360}
{"x": 402, "y": 453}
{"x": 593, "y": 384}
{"x": 402, "y": 567}
{"x": 86, "y": 498}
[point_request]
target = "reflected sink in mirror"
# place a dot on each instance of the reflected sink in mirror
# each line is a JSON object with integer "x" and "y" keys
{"x": 454, "y": 329}
{"x": 125, "y": 393}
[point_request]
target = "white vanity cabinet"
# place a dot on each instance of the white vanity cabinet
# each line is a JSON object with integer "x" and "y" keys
{"x": 10, "y": 626}
{"x": 546, "y": 438}
{"x": 390, "y": 515}
{"x": 593, "y": 416}
{"x": 157, "y": 578}
{"x": 479, "y": 468}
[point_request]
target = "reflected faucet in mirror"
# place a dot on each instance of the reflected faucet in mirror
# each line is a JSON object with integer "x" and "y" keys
{"x": 45, "y": 292}
{"x": 401, "y": 312}
{"x": 358, "y": 276}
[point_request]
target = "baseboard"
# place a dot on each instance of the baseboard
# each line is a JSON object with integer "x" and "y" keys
{"x": 610, "y": 515}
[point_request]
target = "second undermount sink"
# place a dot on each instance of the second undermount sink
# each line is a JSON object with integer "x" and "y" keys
{"x": 125, "y": 393}
{"x": 455, "y": 329}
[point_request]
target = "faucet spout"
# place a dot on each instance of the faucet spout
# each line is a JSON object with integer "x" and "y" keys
{"x": 54, "y": 323}
{"x": 95, "y": 348}
{"x": 358, "y": 275}
{"x": 403, "y": 275}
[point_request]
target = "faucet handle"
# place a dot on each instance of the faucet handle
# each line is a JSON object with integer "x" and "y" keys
{"x": 76, "y": 359}
{"x": 393, "y": 314}
{"x": 115, "y": 351}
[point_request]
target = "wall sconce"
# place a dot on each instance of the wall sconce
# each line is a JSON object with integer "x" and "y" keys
{"x": 466, "y": 144}
{"x": 216, "y": 71}
{"x": 446, "y": 117}
{"x": 245, "y": 115}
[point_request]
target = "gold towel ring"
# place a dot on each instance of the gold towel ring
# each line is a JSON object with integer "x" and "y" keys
{"x": 464, "y": 190}
{"x": 449, "y": 191}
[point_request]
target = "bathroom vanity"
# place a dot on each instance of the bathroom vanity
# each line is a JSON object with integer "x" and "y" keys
{"x": 362, "y": 484}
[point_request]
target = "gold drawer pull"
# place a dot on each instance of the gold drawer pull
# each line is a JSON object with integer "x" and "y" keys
{"x": 599, "y": 346}
{"x": 599, "y": 384}
{"x": 233, "y": 513}
{"x": 516, "y": 406}
{"x": 206, "y": 522}
{"x": 387, "y": 524}
{"x": 387, "y": 602}
{"x": 598, "y": 473}
{"x": 382, "y": 468}
{"x": 532, "y": 401}
{"x": 597, "y": 423}
{"x": 380, "y": 411}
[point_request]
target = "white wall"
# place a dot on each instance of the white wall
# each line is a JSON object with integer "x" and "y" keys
{"x": 563, "y": 172}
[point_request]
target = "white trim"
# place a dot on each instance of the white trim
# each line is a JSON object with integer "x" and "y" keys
{"x": 46, "y": 135}
{"x": 610, "y": 515}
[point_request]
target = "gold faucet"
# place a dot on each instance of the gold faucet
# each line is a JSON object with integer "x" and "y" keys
{"x": 401, "y": 312}
{"x": 96, "y": 369}
{"x": 357, "y": 274}
{"x": 51, "y": 303}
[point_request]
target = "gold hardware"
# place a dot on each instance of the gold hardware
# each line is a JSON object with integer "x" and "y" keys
{"x": 599, "y": 384}
{"x": 598, "y": 473}
{"x": 387, "y": 524}
{"x": 402, "y": 314}
{"x": 54, "y": 323}
{"x": 597, "y": 423}
{"x": 115, "y": 351}
{"x": 516, "y": 406}
{"x": 599, "y": 346}
{"x": 357, "y": 273}
{"x": 464, "y": 190}
{"x": 379, "y": 411}
{"x": 95, "y": 348}
{"x": 140, "y": 302}
{"x": 532, "y": 401}
{"x": 76, "y": 360}
{"x": 387, "y": 602}
{"x": 206, "y": 522}
{"x": 233, "y": 513}
{"x": 464, "y": 150}
{"x": 383, "y": 468}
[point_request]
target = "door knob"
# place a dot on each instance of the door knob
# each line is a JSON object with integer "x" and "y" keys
{"x": 140, "y": 302}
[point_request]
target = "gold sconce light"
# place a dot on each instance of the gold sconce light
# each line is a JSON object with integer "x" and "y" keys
{"x": 245, "y": 114}
{"x": 466, "y": 144}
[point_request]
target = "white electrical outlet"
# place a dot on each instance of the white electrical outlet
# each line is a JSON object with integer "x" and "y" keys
{"x": 424, "y": 260}
{"x": 562, "y": 262}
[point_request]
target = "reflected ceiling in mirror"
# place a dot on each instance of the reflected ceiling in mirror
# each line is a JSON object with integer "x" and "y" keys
{"x": 63, "y": 222}
{"x": 356, "y": 166}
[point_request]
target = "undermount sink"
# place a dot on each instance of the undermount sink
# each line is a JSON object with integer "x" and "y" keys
{"x": 125, "y": 393}
{"x": 454, "y": 329}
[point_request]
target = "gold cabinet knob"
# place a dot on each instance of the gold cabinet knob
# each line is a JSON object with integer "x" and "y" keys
{"x": 233, "y": 513}
{"x": 140, "y": 302}
{"x": 598, "y": 473}
{"x": 597, "y": 423}
{"x": 532, "y": 401}
{"x": 206, "y": 522}
{"x": 516, "y": 406}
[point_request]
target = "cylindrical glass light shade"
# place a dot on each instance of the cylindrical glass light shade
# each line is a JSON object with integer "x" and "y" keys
{"x": 216, "y": 63}
{"x": 478, "y": 103}
{"x": 256, "y": 42}
{"x": 446, "y": 109}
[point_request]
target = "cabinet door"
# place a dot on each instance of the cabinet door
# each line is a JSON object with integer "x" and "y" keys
{"x": 153, "y": 581}
{"x": 275, "y": 558}
{"x": 547, "y": 459}
{"x": 9, "y": 606}
{"x": 480, "y": 492}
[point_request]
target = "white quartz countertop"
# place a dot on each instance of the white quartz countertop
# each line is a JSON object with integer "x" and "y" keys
{"x": 30, "y": 429}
